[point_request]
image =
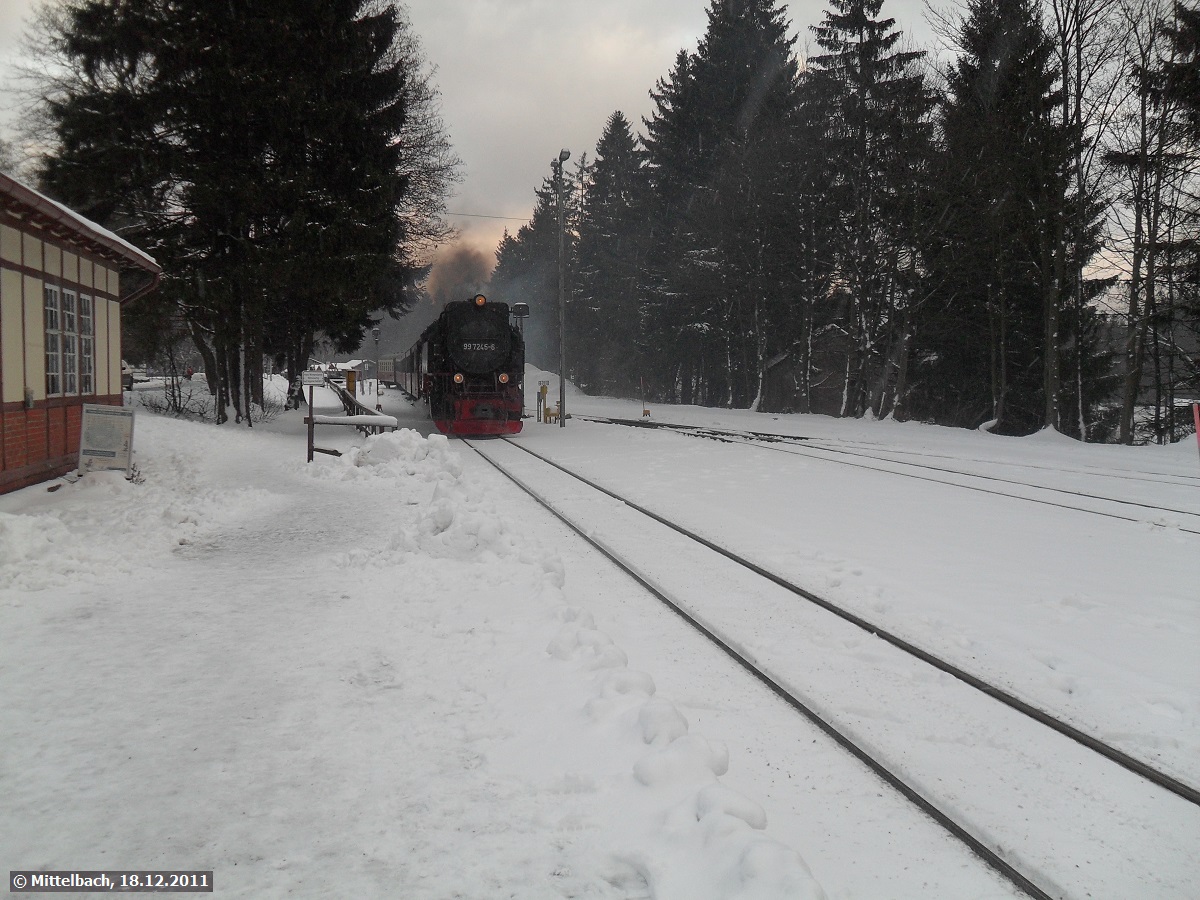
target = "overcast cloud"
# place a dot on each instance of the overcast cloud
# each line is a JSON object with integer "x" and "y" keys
{"x": 521, "y": 79}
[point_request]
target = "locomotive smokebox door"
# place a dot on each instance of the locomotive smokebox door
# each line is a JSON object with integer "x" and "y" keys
{"x": 480, "y": 338}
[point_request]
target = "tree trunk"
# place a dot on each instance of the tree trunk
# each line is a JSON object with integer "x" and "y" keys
{"x": 1050, "y": 298}
{"x": 211, "y": 375}
{"x": 900, "y": 391}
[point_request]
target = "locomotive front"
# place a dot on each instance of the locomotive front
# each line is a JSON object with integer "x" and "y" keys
{"x": 482, "y": 358}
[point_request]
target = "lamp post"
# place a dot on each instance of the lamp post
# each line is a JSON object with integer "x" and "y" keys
{"x": 378, "y": 386}
{"x": 557, "y": 165}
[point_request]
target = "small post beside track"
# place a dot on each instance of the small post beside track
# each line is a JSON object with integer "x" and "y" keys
{"x": 309, "y": 420}
{"x": 1196, "y": 418}
{"x": 310, "y": 379}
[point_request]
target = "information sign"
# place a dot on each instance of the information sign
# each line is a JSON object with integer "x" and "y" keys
{"x": 308, "y": 377}
{"x": 106, "y": 439}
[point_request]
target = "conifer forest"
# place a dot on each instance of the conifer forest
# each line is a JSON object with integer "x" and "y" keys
{"x": 1007, "y": 241}
{"x": 1001, "y": 232}
{"x": 283, "y": 160}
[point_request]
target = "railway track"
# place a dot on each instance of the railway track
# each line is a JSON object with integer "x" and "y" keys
{"x": 1173, "y": 479}
{"x": 809, "y": 448}
{"x": 1018, "y": 866}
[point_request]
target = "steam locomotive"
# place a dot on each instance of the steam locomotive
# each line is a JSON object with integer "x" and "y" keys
{"x": 468, "y": 366}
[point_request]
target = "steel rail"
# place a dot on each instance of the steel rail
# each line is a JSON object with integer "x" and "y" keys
{"x": 1137, "y": 766}
{"x": 1040, "y": 487}
{"x": 753, "y": 439}
{"x": 1172, "y": 480}
{"x": 796, "y": 438}
{"x": 989, "y": 856}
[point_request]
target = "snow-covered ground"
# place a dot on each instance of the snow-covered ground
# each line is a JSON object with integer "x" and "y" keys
{"x": 390, "y": 674}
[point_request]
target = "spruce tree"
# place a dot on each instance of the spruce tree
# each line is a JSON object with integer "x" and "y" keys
{"x": 527, "y": 270}
{"x": 996, "y": 270}
{"x": 1181, "y": 89}
{"x": 675, "y": 143}
{"x": 1181, "y": 70}
{"x": 604, "y": 315}
{"x": 878, "y": 131}
{"x": 815, "y": 356}
{"x": 716, "y": 151}
{"x": 273, "y": 191}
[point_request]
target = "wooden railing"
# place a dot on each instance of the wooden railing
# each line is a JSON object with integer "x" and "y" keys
{"x": 353, "y": 408}
{"x": 365, "y": 419}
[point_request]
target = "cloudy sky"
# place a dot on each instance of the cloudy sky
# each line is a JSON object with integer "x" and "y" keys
{"x": 522, "y": 79}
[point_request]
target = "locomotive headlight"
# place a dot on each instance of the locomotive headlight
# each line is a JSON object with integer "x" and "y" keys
{"x": 504, "y": 378}
{"x": 480, "y": 299}
{"x": 458, "y": 378}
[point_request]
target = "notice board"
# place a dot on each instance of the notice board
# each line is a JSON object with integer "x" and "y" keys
{"x": 106, "y": 439}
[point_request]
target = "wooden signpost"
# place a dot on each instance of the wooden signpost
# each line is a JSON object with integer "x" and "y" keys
{"x": 358, "y": 416}
{"x": 310, "y": 379}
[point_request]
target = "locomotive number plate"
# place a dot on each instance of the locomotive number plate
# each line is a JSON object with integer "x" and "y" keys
{"x": 479, "y": 345}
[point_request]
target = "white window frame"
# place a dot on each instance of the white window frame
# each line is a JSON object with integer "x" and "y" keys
{"x": 53, "y": 330}
{"x": 70, "y": 343}
{"x": 87, "y": 344}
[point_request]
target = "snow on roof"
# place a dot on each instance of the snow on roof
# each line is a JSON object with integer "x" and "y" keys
{"x": 67, "y": 216}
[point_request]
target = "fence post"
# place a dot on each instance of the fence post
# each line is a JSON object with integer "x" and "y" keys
{"x": 311, "y": 424}
{"x": 1196, "y": 417}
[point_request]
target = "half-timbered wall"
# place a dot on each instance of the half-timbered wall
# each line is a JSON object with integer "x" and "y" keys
{"x": 53, "y": 296}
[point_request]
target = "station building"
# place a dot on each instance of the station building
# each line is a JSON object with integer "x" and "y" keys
{"x": 63, "y": 280}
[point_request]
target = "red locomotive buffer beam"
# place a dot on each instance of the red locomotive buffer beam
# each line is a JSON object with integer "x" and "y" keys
{"x": 470, "y": 408}
{"x": 481, "y": 417}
